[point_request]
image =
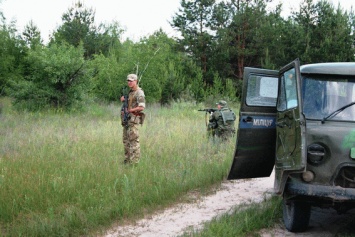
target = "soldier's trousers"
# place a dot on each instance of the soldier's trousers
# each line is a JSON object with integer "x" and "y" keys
{"x": 131, "y": 144}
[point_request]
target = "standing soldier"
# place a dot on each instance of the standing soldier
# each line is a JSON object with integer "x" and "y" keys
{"x": 132, "y": 115}
{"x": 222, "y": 121}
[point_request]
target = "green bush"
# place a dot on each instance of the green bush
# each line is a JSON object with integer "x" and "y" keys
{"x": 57, "y": 77}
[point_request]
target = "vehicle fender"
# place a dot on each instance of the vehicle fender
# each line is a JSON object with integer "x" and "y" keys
{"x": 281, "y": 178}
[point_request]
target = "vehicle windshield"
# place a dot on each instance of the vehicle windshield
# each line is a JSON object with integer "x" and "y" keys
{"x": 325, "y": 95}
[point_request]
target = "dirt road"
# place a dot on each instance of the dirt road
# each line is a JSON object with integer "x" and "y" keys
{"x": 174, "y": 221}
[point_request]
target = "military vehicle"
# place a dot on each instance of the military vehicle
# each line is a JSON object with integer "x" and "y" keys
{"x": 300, "y": 122}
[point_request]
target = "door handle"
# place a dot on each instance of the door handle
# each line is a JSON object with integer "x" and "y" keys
{"x": 248, "y": 119}
{"x": 283, "y": 124}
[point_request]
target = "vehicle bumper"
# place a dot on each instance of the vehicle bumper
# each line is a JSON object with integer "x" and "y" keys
{"x": 335, "y": 193}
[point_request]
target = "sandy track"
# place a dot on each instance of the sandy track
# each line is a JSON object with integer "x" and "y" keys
{"x": 187, "y": 216}
{"x": 181, "y": 217}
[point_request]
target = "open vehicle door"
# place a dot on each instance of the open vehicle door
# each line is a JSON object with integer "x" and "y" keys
{"x": 254, "y": 154}
{"x": 290, "y": 144}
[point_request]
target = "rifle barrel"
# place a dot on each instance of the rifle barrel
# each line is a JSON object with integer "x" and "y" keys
{"x": 208, "y": 110}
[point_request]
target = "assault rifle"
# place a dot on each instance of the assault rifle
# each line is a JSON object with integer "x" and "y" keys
{"x": 124, "y": 108}
{"x": 208, "y": 110}
{"x": 212, "y": 125}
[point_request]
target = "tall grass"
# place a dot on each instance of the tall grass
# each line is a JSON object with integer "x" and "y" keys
{"x": 63, "y": 174}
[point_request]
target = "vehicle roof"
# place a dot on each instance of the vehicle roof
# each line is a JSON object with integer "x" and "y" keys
{"x": 336, "y": 68}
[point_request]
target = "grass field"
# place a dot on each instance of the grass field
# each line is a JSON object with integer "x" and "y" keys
{"x": 62, "y": 174}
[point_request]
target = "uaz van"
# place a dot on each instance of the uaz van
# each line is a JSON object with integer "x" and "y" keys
{"x": 300, "y": 121}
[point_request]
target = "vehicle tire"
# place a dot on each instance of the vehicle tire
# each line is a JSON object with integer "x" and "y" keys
{"x": 296, "y": 215}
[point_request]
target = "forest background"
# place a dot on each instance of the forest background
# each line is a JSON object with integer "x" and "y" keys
{"x": 60, "y": 173}
{"x": 86, "y": 62}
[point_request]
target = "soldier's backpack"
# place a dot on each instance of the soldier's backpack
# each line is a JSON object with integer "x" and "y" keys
{"x": 228, "y": 116}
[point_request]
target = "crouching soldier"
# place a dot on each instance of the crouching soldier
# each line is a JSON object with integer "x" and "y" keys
{"x": 222, "y": 121}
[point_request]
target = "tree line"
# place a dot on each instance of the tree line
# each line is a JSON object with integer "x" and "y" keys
{"x": 84, "y": 61}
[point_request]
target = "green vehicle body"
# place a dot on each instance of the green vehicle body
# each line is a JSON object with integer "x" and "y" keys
{"x": 300, "y": 122}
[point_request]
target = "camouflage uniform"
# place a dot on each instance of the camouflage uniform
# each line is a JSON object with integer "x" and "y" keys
{"x": 130, "y": 131}
{"x": 223, "y": 121}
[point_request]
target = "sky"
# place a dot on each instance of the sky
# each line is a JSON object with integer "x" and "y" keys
{"x": 138, "y": 17}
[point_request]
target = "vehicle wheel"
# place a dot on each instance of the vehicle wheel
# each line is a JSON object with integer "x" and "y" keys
{"x": 296, "y": 215}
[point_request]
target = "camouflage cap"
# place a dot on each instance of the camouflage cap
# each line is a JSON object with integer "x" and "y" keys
{"x": 222, "y": 103}
{"x": 132, "y": 77}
